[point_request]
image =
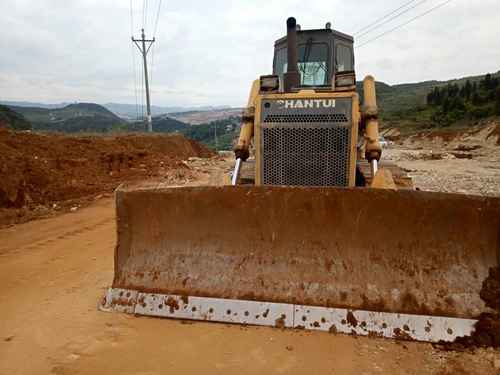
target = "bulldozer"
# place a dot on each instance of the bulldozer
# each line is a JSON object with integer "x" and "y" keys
{"x": 313, "y": 98}
{"x": 313, "y": 243}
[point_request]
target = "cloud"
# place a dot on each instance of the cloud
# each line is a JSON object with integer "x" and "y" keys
{"x": 208, "y": 53}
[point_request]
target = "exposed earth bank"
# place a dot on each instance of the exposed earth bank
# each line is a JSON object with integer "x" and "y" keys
{"x": 44, "y": 173}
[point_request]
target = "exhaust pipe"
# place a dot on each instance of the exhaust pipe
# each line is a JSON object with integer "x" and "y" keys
{"x": 291, "y": 78}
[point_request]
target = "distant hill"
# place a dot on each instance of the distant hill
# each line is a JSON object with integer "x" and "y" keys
{"x": 165, "y": 124}
{"x": 161, "y": 124}
{"x": 73, "y": 118}
{"x": 405, "y": 96}
{"x": 125, "y": 111}
{"x": 218, "y": 134}
{"x": 403, "y": 105}
{"x": 215, "y": 134}
{"x": 204, "y": 117}
{"x": 130, "y": 111}
{"x": 13, "y": 120}
{"x": 11, "y": 103}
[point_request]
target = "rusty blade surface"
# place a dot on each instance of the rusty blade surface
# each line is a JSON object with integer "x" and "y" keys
{"x": 377, "y": 250}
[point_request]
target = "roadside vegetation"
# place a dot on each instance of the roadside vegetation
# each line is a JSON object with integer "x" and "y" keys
{"x": 471, "y": 101}
{"x": 452, "y": 104}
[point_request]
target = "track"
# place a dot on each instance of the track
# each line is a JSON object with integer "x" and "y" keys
{"x": 54, "y": 272}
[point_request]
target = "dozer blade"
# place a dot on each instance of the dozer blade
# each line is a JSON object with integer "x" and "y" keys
{"x": 401, "y": 264}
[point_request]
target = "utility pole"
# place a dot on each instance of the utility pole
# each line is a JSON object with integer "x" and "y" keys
{"x": 144, "y": 51}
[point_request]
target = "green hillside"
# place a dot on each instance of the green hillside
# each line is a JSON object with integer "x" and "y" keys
{"x": 216, "y": 134}
{"x": 13, "y": 120}
{"x": 465, "y": 101}
{"x": 80, "y": 117}
{"x": 164, "y": 124}
{"x": 406, "y": 105}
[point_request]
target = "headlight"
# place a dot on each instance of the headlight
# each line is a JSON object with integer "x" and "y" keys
{"x": 343, "y": 80}
{"x": 269, "y": 83}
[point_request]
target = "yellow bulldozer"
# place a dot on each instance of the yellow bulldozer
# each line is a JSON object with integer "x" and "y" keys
{"x": 307, "y": 246}
{"x": 306, "y": 116}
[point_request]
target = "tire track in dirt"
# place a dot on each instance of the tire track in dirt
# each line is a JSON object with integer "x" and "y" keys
{"x": 50, "y": 236}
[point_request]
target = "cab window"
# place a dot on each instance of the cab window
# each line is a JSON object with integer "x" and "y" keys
{"x": 313, "y": 63}
{"x": 344, "y": 61}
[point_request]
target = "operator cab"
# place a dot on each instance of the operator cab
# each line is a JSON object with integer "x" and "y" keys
{"x": 323, "y": 56}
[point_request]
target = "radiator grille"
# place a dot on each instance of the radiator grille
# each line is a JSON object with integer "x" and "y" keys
{"x": 307, "y": 118}
{"x": 306, "y": 149}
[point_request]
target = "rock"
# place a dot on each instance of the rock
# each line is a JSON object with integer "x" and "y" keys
{"x": 289, "y": 348}
{"x": 74, "y": 209}
{"x": 447, "y": 156}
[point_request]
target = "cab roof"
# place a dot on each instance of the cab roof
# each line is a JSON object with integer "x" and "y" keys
{"x": 320, "y": 33}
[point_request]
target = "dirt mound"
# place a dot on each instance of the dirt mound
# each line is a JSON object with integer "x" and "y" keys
{"x": 486, "y": 335}
{"x": 484, "y": 133}
{"x": 490, "y": 292}
{"x": 37, "y": 170}
{"x": 487, "y": 329}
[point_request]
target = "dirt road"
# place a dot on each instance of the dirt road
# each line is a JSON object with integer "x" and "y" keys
{"x": 53, "y": 273}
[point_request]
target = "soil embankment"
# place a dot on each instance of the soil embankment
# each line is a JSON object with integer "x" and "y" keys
{"x": 43, "y": 173}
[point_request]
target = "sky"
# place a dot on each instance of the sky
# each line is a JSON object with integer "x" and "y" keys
{"x": 209, "y": 52}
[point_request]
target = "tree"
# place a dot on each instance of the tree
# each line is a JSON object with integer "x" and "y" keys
{"x": 476, "y": 99}
{"x": 457, "y": 104}
{"x": 497, "y": 101}
{"x": 494, "y": 82}
{"x": 487, "y": 82}
{"x": 438, "y": 96}
{"x": 462, "y": 92}
{"x": 449, "y": 90}
{"x": 447, "y": 105}
{"x": 430, "y": 98}
{"x": 467, "y": 90}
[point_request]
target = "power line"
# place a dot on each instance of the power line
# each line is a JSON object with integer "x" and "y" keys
{"x": 157, "y": 18}
{"x": 152, "y": 65}
{"x": 154, "y": 36}
{"x": 143, "y": 13}
{"x": 404, "y": 24}
{"x": 391, "y": 19}
{"x": 134, "y": 69}
{"x": 384, "y": 17}
{"x": 131, "y": 19}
